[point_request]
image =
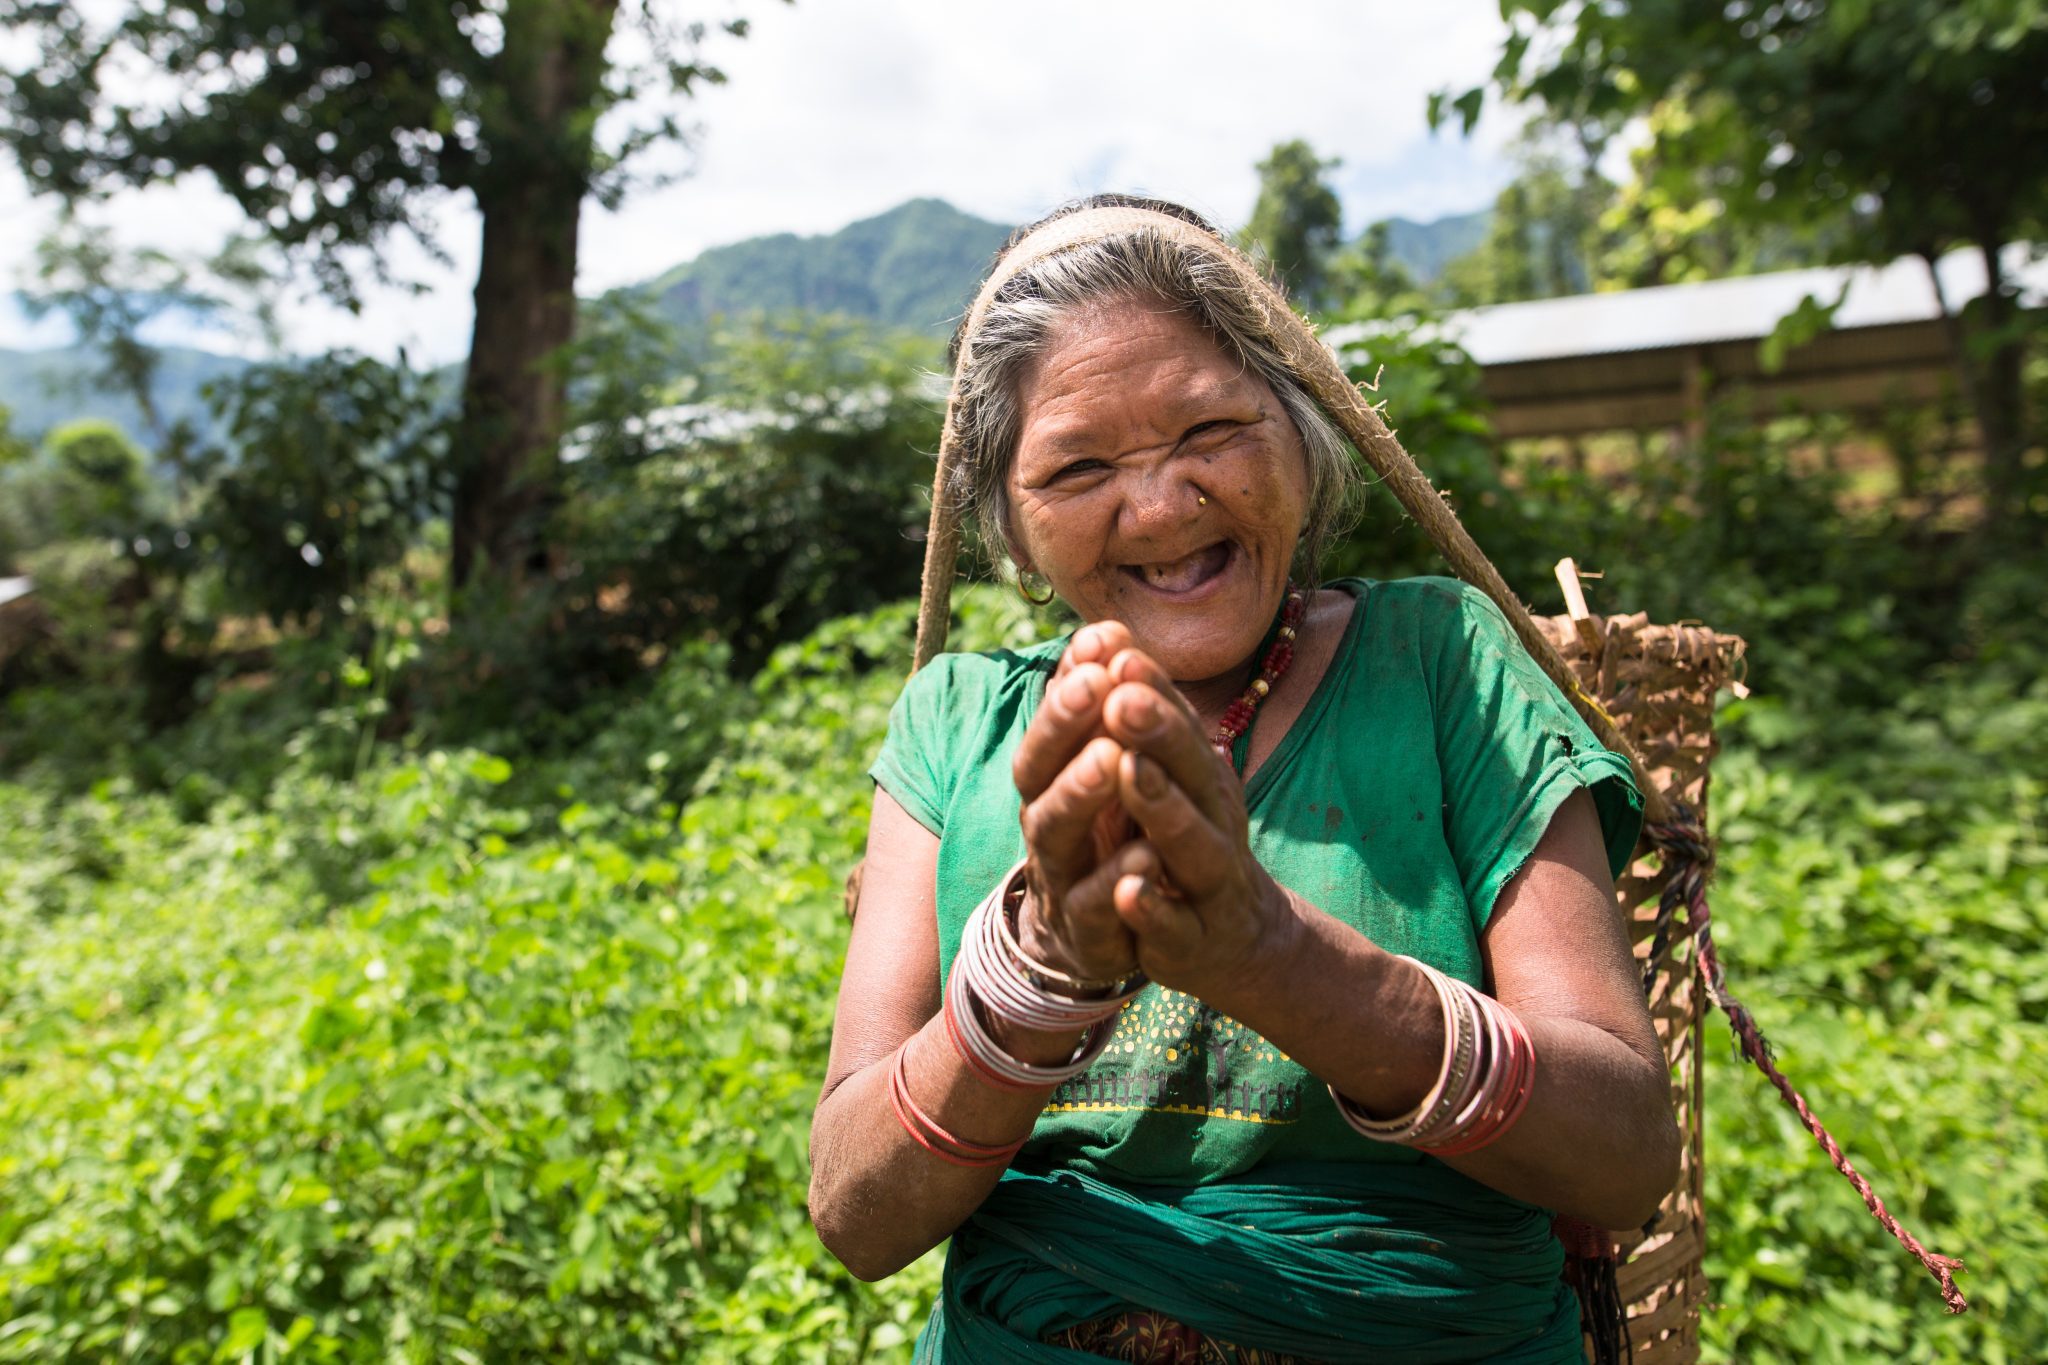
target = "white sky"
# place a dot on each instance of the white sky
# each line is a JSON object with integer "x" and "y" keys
{"x": 840, "y": 109}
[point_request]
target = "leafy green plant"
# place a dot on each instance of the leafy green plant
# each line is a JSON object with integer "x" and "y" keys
{"x": 537, "y": 1088}
{"x": 1880, "y": 903}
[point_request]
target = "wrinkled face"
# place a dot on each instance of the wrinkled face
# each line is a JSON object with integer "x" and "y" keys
{"x": 1158, "y": 482}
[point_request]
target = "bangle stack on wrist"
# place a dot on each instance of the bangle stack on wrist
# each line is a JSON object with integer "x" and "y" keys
{"x": 993, "y": 978}
{"x": 1482, "y": 1086}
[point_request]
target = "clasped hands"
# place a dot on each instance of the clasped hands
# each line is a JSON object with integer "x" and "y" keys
{"x": 1135, "y": 831}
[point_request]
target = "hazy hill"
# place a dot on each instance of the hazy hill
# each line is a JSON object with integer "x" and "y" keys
{"x": 43, "y": 389}
{"x": 1426, "y": 248}
{"x": 916, "y": 267}
{"x": 912, "y": 267}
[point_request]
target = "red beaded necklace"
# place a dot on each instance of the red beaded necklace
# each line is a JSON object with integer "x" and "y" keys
{"x": 1238, "y": 718}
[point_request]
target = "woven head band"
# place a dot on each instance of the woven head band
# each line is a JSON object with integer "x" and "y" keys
{"x": 1294, "y": 338}
{"x": 1081, "y": 229}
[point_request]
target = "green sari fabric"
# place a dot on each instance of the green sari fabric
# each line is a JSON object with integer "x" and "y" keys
{"x": 1343, "y": 1262}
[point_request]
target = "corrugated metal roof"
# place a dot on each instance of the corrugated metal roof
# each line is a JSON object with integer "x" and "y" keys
{"x": 1741, "y": 309}
{"x": 11, "y": 588}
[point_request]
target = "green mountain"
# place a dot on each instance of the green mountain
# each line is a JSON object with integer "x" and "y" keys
{"x": 44, "y": 389}
{"x": 1424, "y": 249}
{"x": 913, "y": 267}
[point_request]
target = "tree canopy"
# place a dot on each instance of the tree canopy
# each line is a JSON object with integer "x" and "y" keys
{"x": 327, "y": 123}
{"x": 335, "y": 124}
{"x": 1897, "y": 127}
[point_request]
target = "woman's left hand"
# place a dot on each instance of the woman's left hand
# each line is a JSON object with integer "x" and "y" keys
{"x": 1205, "y": 914}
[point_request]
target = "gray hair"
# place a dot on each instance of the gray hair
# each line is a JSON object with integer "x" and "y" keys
{"x": 1027, "y": 311}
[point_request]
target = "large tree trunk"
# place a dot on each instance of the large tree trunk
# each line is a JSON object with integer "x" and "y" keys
{"x": 512, "y": 397}
{"x": 513, "y": 393}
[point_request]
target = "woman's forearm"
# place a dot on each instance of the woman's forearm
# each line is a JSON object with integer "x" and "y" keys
{"x": 879, "y": 1199}
{"x": 1596, "y": 1141}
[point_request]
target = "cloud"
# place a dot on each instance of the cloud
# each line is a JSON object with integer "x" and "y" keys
{"x": 834, "y": 112}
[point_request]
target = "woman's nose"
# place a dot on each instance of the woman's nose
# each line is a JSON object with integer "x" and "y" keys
{"x": 1164, "y": 497}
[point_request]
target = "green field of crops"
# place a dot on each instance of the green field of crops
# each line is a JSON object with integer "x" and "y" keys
{"x": 451, "y": 1059}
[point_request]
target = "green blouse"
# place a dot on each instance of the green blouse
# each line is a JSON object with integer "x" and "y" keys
{"x": 1416, "y": 782}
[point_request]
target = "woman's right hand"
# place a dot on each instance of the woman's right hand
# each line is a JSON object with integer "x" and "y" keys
{"x": 1074, "y": 823}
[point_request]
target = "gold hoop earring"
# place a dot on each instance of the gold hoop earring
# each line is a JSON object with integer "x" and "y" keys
{"x": 1025, "y": 578}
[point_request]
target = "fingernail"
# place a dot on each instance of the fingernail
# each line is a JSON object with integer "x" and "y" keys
{"x": 1151, "y": 778}
{"x": 1078, "y": 692}
{"x": 1143, "y": 711}
{"x": 1092, "y": 773}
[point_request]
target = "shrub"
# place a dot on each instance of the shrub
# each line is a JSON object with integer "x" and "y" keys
{"x": 784, "y": 493}
{"x": 330, "y": 466}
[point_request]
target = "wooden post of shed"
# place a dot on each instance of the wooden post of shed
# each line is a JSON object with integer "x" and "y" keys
{"x": 1698, "y": 383}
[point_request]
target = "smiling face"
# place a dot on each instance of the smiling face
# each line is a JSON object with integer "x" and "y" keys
{"x": 1130, "y": 419}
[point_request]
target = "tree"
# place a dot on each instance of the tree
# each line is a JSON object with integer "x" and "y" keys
{"x": 1544, "y": 237}
{"x": 335, "y": 124}
{"x": 1297, "y": 221}
{"x": 87, "y": 481}
{"x": 1669, "y": 225}
{"x": 1367, "y": 282}
{"x": 1906, "y": 127}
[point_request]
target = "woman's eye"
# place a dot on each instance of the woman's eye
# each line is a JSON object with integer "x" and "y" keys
{"x": 1078, "y": 467}
{"x": 1209, "y": 431}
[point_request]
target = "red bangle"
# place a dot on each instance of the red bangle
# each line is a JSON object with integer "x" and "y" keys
{"x": 926, "y": 1132}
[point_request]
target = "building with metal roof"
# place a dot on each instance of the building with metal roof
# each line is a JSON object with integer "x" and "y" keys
{"x": 1651, "y": 358}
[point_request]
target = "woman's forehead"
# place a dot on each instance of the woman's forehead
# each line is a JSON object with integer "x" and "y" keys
{"x": 1112, "y": 368}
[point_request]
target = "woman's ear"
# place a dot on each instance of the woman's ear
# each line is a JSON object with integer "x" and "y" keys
{"x": 1020, "y": 559}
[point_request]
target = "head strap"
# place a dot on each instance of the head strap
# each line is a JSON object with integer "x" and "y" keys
{"x": 1064, "y": 234}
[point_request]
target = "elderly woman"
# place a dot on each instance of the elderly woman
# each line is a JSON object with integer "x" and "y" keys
{"x": 1239, "y": 978}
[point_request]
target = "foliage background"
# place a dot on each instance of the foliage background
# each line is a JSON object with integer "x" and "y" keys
{"x": 417, "y": 1050}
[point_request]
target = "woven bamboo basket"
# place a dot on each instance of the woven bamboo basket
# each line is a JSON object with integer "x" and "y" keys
{"x": 1659, "y": 683}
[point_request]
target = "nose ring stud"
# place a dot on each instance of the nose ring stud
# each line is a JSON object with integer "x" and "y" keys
{"x": 1201, "y": 501}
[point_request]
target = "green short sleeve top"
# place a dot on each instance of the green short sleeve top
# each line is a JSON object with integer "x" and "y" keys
{"x": 1416, "y": 782}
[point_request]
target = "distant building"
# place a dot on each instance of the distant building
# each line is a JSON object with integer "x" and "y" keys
{"x": 1651, "y": 358}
